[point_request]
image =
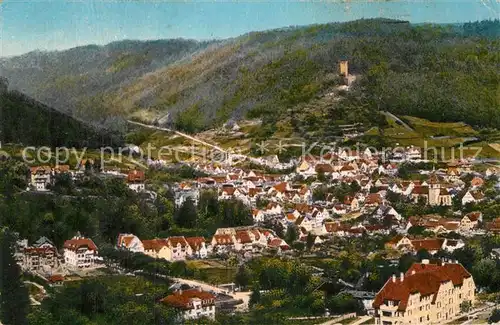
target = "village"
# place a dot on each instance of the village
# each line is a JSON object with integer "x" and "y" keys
{"x": 304, "y": 210}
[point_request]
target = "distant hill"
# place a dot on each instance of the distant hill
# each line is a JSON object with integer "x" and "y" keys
{"x": 26, "y": 121}
{"x": 438, "y": 72}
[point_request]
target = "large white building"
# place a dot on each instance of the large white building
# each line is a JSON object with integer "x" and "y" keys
{"x": 80, "y": 252}
{"x": 192, "y": 303}
{"x": 425, "y": 294}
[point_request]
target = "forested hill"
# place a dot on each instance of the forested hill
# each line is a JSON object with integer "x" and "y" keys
{"x": 437, "y": 72}
{"x": 25, "y": 121}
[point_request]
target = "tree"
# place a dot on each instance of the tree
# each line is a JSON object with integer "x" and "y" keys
{"x": 291, "y": 234}
{"x": 416, "y": 230}
{"x": 423, "y": 254}
{"x": 298, "y": 246}
{"x": 208, "y": 204}
{"x": 242, "y": 278}
{"x": 255, "y": 296}
{"x": 344, "y": 303}
{"x": 465, "y": 306}
{"x": 309, "y": 241}
{"x": 14, "y": 298}
{"x": 405, "y": 262}
{"x": 483, "y": 272}
{"x": 494, "y": 317}
{"x": 187, "y": 216}
{"x": 234, "y": 213}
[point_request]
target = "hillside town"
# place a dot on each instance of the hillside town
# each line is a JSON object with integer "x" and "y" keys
{"x": 321, "y": 200}
{"x": 260, "y": 163}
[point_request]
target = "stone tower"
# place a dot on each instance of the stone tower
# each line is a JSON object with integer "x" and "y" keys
{"x": 344, "y": 68}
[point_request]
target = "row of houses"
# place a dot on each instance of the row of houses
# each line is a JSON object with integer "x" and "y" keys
{"x": 225, "y": 240}
{"x": 41, "y": 178}
{"x": 43, "y": 257}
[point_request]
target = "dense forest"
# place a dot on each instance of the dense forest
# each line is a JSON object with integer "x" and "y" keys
{"x": 26, "y": 121}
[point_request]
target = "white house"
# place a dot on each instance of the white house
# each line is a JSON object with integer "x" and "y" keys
{"x": 80, "y": 252}
{"x": 472, "y": 197}
{"x": 192, "y": 303}
{"x": 130, "y": 242}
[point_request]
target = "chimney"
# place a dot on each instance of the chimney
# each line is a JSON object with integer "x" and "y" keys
{"x": 402, "y": 276}
{"x": 180, "y": 291}
{"x": 425, "y": 261}
{"x": 200, "y": 290}
{"x": 394, "y": 278}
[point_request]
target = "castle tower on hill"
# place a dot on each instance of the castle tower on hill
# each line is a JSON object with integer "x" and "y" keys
{"x": 344, "y": 68}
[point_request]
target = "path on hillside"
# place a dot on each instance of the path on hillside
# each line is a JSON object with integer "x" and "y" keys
{"x": 179, "y": 133}
{"x": 394, "y": 117}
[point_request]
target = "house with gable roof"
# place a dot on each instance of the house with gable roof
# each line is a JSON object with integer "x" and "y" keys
{"x": 80, "y": 252}
{"x": 192, "y": 303}
{"x": 425, "y": 294}
{"x": 198, "y": 247}
{"x": 130, "y": 242}
{"x": 472, "y": 196}
{"x": 471, "y": 220}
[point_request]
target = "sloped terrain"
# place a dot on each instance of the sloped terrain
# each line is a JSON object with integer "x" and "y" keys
{"x": 442, "y": 73}
{"x": 28, "y": 122}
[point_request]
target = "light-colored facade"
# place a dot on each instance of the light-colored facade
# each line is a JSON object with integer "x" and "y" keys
{"x": 425, "y": 294}
{"x": 80, "y": 252}
{"x": 192, "y": 303}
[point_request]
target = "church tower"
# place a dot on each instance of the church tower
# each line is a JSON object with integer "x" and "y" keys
{"x": 434, "y": 190}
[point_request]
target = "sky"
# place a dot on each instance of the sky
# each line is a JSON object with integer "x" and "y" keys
{"x": 27, "y": 25}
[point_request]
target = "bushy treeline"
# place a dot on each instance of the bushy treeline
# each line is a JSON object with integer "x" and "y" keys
{"x": 105, "y": 300}
{"x": 102, "y": 208}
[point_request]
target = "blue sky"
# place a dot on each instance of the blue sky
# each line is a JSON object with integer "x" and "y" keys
{"x": 26, "y": 25}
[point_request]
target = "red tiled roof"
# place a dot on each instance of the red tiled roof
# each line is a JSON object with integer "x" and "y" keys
{"x": 427, "y": 244}
{"x": 477, "y": 195}
{"x": 373, "y": 198}
{"x": 154, "y": 244}
{"x": 195, "y": 242}
{"x": 74, "y": 244}
{"x": 229, "y": 190}
{"x": 243, "y": 237}
{"x": 256, "y": 234}
{"x": 124, "y": 240}
{"x": 182, "y": 299}
{"x": 176, "y": 240}
{"x": 223, "y": 239}
{"x": 281, "y": 187}
{"x": 474, "y": 216}
{"x": 135, "y": 176}
{"x": 324, "y": 168}
{"x": 420, "y": 278}
{"x": 477, "y": 181}
{"x": 62, "y": 168}
{"x": 420, "y": 190}
{"x": 56, "y": 278}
